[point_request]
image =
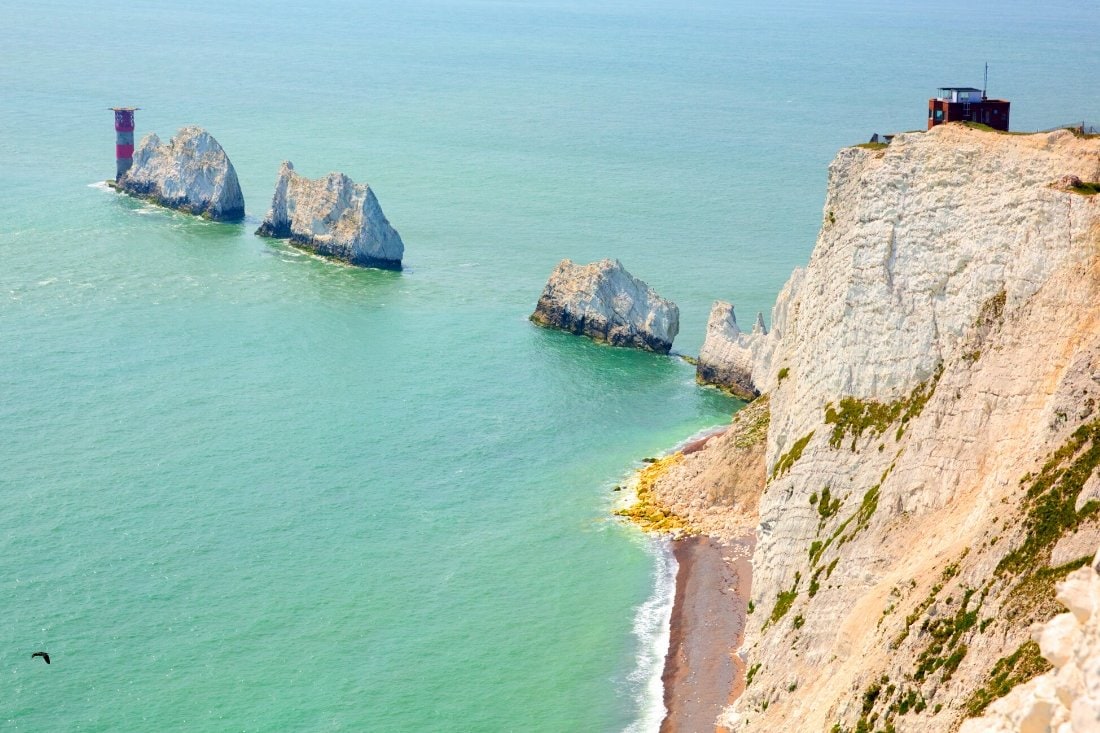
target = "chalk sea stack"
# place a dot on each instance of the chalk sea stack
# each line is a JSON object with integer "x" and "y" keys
{"x": 333, "y": 216}
{"x": 603, "y": 301}
{"x": 726, "y": 359}
{"x": 190, "y": 173}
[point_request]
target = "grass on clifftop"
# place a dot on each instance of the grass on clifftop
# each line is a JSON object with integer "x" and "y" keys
{"x": 986, "y": 128}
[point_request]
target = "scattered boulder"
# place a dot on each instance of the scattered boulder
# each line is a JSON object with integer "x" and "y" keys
{"x": 727, "y": 356}
{"x": 603, "y": 301}
{"x": 333, "y": 216}
{"x": 1068, "y": 182}
{"x": 190, "y": 173}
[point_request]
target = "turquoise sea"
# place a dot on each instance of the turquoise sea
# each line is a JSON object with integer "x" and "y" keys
{"x": 243, "y": 489}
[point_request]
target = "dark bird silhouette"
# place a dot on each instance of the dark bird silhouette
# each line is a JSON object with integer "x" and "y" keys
{"x": 44, "y": 655}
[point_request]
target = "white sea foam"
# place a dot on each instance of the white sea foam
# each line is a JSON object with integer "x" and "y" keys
{"x": 652, "y": 629}
{"x": 101, "y": 185}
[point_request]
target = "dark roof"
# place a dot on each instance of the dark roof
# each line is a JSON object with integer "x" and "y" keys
{"x": 958, "y": 89}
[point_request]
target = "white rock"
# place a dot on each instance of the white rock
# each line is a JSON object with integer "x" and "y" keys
{"x": 333, "y": 216}
{"x": 191, "y": 173}
{"x": 728, "y": 355}
{"x": 1080, "y": 594}
{"x": 603, "y": 301}
{"x": 1057, "y": 637}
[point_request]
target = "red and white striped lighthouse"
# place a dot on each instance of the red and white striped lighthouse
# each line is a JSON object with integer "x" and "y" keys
{"x": 124, "y": 139}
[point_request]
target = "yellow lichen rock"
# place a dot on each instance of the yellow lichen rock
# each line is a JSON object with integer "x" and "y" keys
{"x": 649, "y": 513}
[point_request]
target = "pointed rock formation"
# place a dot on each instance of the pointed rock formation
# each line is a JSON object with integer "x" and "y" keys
{"x": 728, "y": 355}
{"x": 758, "y": 326}
{"x": 333, "y": 216}
{"x": 191, "y": 173}
{"x": 603, "y": 301}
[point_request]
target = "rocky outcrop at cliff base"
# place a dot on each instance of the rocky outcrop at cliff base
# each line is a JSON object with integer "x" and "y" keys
{"x": 727, "y": 356}
{"x": 190, "y": 173}
{"x": 333, "y": 216}
{"x": 603, "y": 301}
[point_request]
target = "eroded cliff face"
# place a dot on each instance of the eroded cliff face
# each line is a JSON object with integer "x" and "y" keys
{"x": 933, "y": 377}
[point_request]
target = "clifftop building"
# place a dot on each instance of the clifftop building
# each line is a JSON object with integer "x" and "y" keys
{"x": 967, "y": 104}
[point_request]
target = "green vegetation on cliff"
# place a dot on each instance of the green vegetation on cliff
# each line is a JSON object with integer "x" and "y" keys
{"x": 852, "y": 416}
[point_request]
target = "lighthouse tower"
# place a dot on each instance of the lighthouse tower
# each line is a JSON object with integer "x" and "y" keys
{"x": 124, "y": 139}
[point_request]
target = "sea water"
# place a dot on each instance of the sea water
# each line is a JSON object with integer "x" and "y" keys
{"x": 244, "y": 489}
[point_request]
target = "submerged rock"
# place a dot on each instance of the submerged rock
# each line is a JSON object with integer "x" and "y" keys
{"x": 728, "y": 354}
{"x": 191, "y": 173}
{"x": 605, "y": 302}
{"x": 333, "y": 216}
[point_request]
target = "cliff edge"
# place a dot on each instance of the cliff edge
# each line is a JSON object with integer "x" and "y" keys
{"x": 933, "y": 378}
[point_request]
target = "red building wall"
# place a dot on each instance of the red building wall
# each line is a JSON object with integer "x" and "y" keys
{"x": 992, "y": 112}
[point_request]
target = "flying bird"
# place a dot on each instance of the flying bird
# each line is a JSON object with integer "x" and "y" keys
{"x": 44, "y": 655}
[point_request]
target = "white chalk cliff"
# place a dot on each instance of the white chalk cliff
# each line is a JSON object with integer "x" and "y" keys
{"x": 333, "y": 216}
{"x": 603, "y": 301}
{"x": 933, "y": 381}
{"x": 190, "y": 173}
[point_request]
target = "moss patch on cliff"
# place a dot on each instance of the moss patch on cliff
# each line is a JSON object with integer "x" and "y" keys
{"x": 647, "y": 512}
{"x": 750, "y": 424}
{"x": 791, "y": 457}
{"x": 948, "y": 573}
{"x": 1051, "y": 497}
{"x": 1022, "y": 665}
{"x": 1032, "y": 598}
{"x": 1086, "y": 188}
{"x": 827, "y": 506}
{"x": 861, "y": 517}
{"x": 784, "y": 601}
{"x": 943, "y": 649}
{"x": 992, "y": 311}
{"x": 853, "y": 417}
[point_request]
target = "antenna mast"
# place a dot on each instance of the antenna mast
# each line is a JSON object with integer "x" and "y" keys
{"x": 985, "y": 83}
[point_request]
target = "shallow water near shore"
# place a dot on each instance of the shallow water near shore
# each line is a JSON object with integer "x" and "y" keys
{"x": 248, "y": 489}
